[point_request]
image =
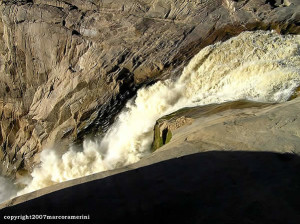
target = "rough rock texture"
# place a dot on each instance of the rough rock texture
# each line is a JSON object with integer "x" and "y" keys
{"x": 238, "y": 183}
{"x": 67, "y": 67}
{"x": 165, "y": 126}
{"x": 245, "y": 126}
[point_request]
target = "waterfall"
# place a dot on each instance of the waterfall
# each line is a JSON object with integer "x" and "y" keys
{"x": 259, "y": 66}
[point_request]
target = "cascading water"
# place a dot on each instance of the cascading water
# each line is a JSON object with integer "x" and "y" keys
{"x": 260, "y": 66}
{"x": 7, "y": 189}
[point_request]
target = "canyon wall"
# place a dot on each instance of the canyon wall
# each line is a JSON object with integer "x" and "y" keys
{"x": 68, "y": 67}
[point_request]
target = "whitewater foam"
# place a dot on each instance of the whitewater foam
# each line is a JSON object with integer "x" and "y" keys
{"x": 259, "y": 66}
{"x": 7, "y": 189}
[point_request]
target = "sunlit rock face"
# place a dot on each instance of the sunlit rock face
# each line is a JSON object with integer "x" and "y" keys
{"x": 259, "y": 66}
{"x": 233, "y": 126}
{"x": 68, "y": 67}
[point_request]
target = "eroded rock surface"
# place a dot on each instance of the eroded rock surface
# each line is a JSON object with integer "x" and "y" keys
{"x": 167, "y": 125}
{"x": 67, "y": 67}
{"x": 233, "y": 126}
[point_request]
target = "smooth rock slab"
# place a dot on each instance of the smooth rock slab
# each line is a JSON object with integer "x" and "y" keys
{"x": 210, "y": 187}
{"x": 67, "y": 67}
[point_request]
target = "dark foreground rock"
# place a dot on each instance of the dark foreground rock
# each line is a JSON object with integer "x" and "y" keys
{"x": 67, "y": 67}
{"x": 211, "y": 187}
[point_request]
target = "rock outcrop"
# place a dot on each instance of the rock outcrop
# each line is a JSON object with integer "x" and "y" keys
{"x": 232, "y": 126}
{"x": 67, "y": 67}
{"x": 217, "y": 157}
{"x": 167, "y": 125}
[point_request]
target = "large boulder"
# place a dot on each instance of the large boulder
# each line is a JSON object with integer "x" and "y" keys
{"x": 232, "y": 126}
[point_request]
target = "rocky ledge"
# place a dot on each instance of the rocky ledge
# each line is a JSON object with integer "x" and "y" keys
{"x": 241, "y": 125}
{"x": 67, "y": 67}
{"x": 225, "y": 135}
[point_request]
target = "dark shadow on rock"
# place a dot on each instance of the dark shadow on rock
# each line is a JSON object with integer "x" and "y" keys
{"x": 210, "y": 187}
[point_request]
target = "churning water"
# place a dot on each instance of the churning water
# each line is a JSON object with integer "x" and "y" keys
{"x": 260, "y": 66}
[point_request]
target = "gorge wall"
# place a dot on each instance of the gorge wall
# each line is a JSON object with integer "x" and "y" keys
{"x": 68, "y": 67}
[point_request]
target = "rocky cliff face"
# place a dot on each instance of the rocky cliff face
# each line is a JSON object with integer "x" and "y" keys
{"x": 67, "y": 67}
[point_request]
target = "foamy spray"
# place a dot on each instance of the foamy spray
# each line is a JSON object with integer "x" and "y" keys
{"x": 260, "y": 66}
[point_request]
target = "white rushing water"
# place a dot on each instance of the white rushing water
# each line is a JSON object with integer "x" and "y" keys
{"x": 7, "y": 189}
{"x": 259, "y": 66}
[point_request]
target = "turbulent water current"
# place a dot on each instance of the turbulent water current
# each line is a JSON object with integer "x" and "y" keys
{"x": 259, "y": 66}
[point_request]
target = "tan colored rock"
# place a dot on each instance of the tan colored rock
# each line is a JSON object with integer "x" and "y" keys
{"x": 68, "y": 67}
{"x": 240, "y": 126}
{"x": 231, "y": 131}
